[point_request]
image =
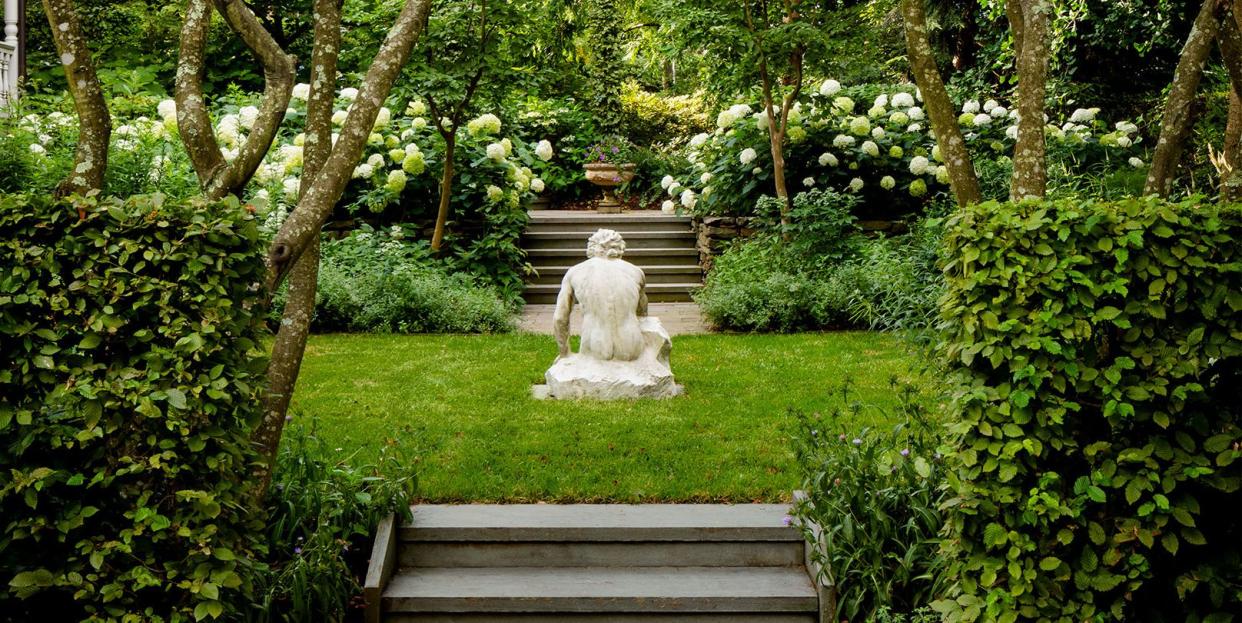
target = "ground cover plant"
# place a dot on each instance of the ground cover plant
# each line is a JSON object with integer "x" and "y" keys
{"x": 479, "y": 436}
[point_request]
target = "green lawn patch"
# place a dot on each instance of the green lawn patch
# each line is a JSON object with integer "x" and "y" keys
{"x": 461, "y": 406}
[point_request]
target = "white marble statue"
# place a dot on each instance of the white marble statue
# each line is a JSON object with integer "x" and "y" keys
{"x": 624, "y": 353}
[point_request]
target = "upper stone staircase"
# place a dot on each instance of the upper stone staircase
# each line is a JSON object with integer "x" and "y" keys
{"x": 608, "y": 563}
{"x": 662, "y": 245}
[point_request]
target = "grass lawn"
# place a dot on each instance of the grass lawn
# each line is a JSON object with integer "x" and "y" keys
{"x": 461, "y": 407}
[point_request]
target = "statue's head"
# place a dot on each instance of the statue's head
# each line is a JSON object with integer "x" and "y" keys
{"x": 605, "y": 243}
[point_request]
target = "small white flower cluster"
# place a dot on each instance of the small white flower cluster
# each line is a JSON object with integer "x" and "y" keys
{"x": 484, "y": 125}
{"x": 730, "y": 116}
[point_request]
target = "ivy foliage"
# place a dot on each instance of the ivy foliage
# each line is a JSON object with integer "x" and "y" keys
{"x": 1096, "y": 351}
{"x": 130, "y": 369}
{"x": 604, "y": 70}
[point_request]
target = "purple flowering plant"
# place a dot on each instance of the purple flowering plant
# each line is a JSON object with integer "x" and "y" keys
{"x": 614, "y": 150}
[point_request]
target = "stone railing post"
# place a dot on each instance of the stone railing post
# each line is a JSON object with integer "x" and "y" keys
{"x": 9, "y": 53}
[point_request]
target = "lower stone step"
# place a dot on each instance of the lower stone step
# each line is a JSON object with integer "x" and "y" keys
{"x": 612, "y": 590}
{"x": 545, "y": 294}
{"x": 579, "y": 617}
{"x": 638, "y": 257}
{"x": 685, "y": 273}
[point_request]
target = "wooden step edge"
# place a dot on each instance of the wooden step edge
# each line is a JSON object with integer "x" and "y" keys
{"x": 380, "y": 568}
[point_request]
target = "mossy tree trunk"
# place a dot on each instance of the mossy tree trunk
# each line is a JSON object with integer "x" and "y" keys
{"x": 940, "y": 109}
{"x": 1175, "y": 127}
{"x": 90, "y": 158}
{"x": 1231, "y": 155}
{"x": 1029, "y": 22}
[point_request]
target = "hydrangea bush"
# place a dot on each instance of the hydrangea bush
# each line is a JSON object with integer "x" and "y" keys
{"x": 873, "y": 141}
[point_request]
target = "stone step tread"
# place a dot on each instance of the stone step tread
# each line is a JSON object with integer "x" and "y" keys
{"x": 628, "y": 253}
{"x": 600, "y": 522}
{"x": 601, "y": 589}
{"x": 578, "y": 235}
{"x": 603, "y": 554}
{"x": 604, "y": 617}
{"x": 655, "y": 269}
{"x": 619, "y": 219}
{"x": 651, "y": 287}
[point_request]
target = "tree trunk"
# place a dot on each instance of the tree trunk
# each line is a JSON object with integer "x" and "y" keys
{"x": 966, "y": 42}
{"x": 446, "y": 189}
{"x": 1176, "y": 125}
{"x": 290, "y": 343}
{"x": 940, "y": 109}
{"x": 1030, "y": 166}
{"x": 90, "y": 157}
{"x": 303, "y": 226}
{"x": 1231, "y": 155}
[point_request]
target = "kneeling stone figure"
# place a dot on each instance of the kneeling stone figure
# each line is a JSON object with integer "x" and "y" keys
{"x": 624, "y": 353}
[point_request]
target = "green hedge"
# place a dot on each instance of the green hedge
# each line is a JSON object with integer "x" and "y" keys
{"x": 130, "y": 363}
{"x": 1096, "y": 351}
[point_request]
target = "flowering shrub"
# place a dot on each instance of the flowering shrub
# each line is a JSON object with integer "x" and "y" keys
{"x": 875, "y": 142}
{"x": 872, "y": 507}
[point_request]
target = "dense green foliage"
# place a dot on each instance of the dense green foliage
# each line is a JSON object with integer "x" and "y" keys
{"x": 603, "y": 26}
{"x": 130, "y": 372}
{"x": 377, "y": 281}
{"x": 872, "y": 506}
{"x": 321, "y": 511}
{"x": 820, "y": 272}
{"x": 1097, "y": 362}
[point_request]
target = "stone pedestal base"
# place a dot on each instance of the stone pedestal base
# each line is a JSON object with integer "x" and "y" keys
{"x": 649, "y": 376}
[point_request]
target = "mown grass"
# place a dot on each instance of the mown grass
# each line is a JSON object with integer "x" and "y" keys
{"x": 461, "y": 407}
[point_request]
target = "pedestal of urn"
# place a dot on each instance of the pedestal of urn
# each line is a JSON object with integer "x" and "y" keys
{"x": 609, "y": 176}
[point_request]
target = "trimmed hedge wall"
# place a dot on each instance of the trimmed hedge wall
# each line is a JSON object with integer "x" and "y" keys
{"x": 130, "y": 370}
{"x": 1096, "y": 351}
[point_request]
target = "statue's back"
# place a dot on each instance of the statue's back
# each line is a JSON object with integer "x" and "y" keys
{"x": 608, "y": 291}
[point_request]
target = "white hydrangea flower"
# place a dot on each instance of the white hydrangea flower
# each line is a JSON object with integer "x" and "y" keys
{"x": 705, "y": 178}
{"x": 1124, "y": 142}
{"x": 668, "y": 207}
{"x": 376, "y": 160}
{"x": 396, "y": 181}
{"x": 290, "y": 187}
{"x": 363, "y": 171}
{"x": 688, "y": 199}
{"x": 1127, "y": 127}
{"x": 674, "y": 189}
{"x": 412, "y": 149}
{"x": 888, "y": 183}
{"x": 829, "y": 88}
{"x": 942, "y": 174}
{"x": 919, "y": 165}
{"x": 1084, "y": 115}
{"x": 860, "y": 126}
{"x": 508, "y": 145}
{"x": 261, "y": 200}
{"x": 842, "y": 141}
{"x": 896, "y": 152}
{"x": 496, "y": 152}
{"x": 914, "y": 127}
{"x": 349, "y": 93}
{"x": 229, "y": 154}
{"x": 935, "y": 153}
{"x": 1012, "y": 132}
{"x": 1000, "y": 112}
{"x": 731, "y": 115}
{"x": 536, "y": 186}
{"x": 383, "y": 118}
{"x": 167, "y": 109}
{"x": 247, "y": 116}
{"x": 396, "y": 155}
{"x": 338, "y": 117}
{"x": 878, "y": 133}
{"x": 857, "y": 184}
{"x": 748, "y": 156}
{"x": 544, "y": 150}
{"x": 1014, "y": 114}
{"x": 761, "y": 121}
{"x": 971, "y": 107}
{"x": 871, "y": 149}
{"x": 416, "y": 109}
{"x": 899, "y": 118}
{"x": 843, "y": 104}
{"x": 881, "y": 101}
{"x": 877, "y": 111}
{"x": 916, "y": 113}
{"x": 918, "y": 188}
{"x": 667, "y": 181}
{"x": 484, "y": 124}
{"x": 413, "y": 163}
{"x": 1136, "y": 162}
{"x": 756, "y": 171}
{"x": 494, "y": 193}
{"x": 983, "y": 120}
{"x": 990, "y": 105}
{"x": 808, "y": 182}
{"x": 699, "y": 139}
{"x": 37, "y": 149}
{"x": 827, "y": 159}
{"x": 301, "y": 91}
{"x": 903, "y": 100}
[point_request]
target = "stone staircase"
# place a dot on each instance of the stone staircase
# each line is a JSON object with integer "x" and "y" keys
{"x": 662, "y": 245}
{"x": 659, "y": 563}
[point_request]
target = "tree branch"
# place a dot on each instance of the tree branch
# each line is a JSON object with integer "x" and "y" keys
{"x": 193, "y": 118}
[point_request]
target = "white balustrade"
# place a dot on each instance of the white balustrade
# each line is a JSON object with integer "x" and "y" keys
{"x": 8, "y": 54}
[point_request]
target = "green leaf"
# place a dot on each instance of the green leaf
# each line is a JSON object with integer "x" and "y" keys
{"x": 45, "y": 362}
{"x": 89, "y": 341}
{"x": 40, "y": 578}
{"x": 1108, "y": 313}
{"x": 176, "y": 398}
{"x": 1049, "y": 563}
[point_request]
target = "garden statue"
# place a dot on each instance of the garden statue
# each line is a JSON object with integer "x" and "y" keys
{"x": 624, "y": 353}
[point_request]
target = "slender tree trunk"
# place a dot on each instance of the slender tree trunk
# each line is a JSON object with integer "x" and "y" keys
{"x": 303, "y": 226}
{"x": 90, "y": 158}
{"x": 1030, "y": 165}
{"x": 1231, "y": 155}
{"x": 1176, "y": 126}
{"x": 446, "y": 189}
{"x": 940, "y": 109}
{"x": 964, "y": 45}
{"x": 290, "y": 343}
{"x": 1017, "y": 26}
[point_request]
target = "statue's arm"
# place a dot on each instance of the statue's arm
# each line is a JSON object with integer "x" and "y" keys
{"x": 560, "y": 318}
{"x": 642, "y": 294}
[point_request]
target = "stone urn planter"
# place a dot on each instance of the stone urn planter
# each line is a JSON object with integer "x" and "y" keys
{"x": 609, "y": 176}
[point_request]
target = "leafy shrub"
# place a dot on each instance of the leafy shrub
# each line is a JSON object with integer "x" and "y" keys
{"x": 1095, "y": 350}
{"x": 649, "y": 118}
{"x": 821, "y": 229}
{"x": 872, "y": 509}
{"x": 321, "y": 513}
{"x": 130, "y": 373}
{"x": 371, "y": 281}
